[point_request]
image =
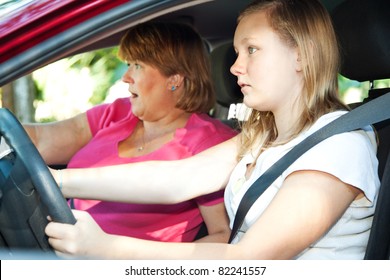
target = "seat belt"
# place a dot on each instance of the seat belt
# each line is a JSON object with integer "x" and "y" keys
{"x": 372, "y": 112}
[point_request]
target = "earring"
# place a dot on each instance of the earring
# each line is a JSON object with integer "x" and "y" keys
{"x": 173, "y": 88}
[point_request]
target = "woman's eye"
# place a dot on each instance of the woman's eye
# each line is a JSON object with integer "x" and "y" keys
{"x": 252, "y": 50}
{"x": 133, "y": 65}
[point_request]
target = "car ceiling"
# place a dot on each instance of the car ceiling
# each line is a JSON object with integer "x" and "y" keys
{"x": 216, "y": 26}
{"x": 221, "y": 16}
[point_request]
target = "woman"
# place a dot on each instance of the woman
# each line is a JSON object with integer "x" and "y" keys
{"x": 165, "y": 118}
{"x": 321, "y": 207}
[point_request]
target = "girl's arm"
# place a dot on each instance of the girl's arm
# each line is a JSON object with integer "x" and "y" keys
{"x": 307, "y": 205}
{"x": 87, "y": 239}
{"x": 153, "y": 181}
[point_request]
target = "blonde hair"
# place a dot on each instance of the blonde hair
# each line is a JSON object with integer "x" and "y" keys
{"x": 173, "y": 48}
{"x": 306, "y": 25}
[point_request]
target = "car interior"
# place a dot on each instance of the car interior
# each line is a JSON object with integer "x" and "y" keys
{"x": 363, "y": 28}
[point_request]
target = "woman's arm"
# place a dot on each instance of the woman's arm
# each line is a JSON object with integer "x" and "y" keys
{"x": 307, "y": 205}
{"x": 153, "y": 181}
{"x": 58, "y": 141}
{"x": 217, "y": 223}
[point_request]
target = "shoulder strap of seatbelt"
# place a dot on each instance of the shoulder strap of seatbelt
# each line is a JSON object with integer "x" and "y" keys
{"x": 372, "y": 112}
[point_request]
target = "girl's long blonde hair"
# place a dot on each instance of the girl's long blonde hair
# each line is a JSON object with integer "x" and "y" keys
{"x": 306, "y": 25}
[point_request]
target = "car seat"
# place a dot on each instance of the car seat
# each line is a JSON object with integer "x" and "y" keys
{"x": 227, "y": 90}
{"x": 363, "y": 29}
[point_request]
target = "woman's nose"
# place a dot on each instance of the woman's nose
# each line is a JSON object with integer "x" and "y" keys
{"x": 127, "y": 77}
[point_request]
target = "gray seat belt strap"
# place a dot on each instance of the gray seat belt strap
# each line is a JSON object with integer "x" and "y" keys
{"x": 372, "y": 112}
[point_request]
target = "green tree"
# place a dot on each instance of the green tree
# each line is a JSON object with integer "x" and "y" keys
{"x": 105, "y": 69}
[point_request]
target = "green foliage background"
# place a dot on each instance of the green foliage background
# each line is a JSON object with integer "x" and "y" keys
{"x": 105, "y": 69}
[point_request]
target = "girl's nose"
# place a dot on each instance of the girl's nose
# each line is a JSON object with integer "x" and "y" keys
{"x": 237, "y": 68}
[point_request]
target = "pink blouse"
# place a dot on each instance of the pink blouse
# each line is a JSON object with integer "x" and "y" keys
{"x": 112, "y": 123}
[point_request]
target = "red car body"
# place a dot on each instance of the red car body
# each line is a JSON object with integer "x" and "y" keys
{"x": 37, "y": 21}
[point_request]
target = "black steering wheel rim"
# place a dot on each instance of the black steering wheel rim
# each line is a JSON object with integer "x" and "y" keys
{"x": 43, "y": 195}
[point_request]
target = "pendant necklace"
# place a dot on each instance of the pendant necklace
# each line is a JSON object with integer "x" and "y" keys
{"x": 143, "y": 145}
{"x": 140, "y": 148}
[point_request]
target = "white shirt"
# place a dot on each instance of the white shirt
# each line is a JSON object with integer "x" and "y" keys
{"x": 351, "y": 157}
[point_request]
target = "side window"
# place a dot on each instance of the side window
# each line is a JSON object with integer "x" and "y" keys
{"x": 352, "y": 91}
{"x": 72, "y": 85}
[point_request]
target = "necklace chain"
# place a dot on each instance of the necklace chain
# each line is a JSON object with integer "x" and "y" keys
{"x": 143, "y": 145}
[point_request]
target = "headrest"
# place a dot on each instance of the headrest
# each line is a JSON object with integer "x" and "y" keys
{"x": 226, "y": 87}
{"x": 363, "y": 29}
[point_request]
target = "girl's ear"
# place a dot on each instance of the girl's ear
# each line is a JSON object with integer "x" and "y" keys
{"x": 175, "y": 81}
{"x": 302, "y": 61}
{"x": 298, "y": 61}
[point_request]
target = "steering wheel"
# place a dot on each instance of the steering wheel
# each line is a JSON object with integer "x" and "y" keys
{"x": 28, "y": 192}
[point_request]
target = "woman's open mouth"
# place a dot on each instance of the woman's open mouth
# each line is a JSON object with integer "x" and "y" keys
{"x": 133, "y": 95}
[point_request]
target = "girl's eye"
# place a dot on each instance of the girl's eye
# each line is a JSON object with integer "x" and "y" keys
{"x": 252, "y": 50}
{"x": 137, "y": 66}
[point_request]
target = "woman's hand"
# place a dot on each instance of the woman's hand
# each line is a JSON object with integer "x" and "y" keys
{"x": 85, "y": 238}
